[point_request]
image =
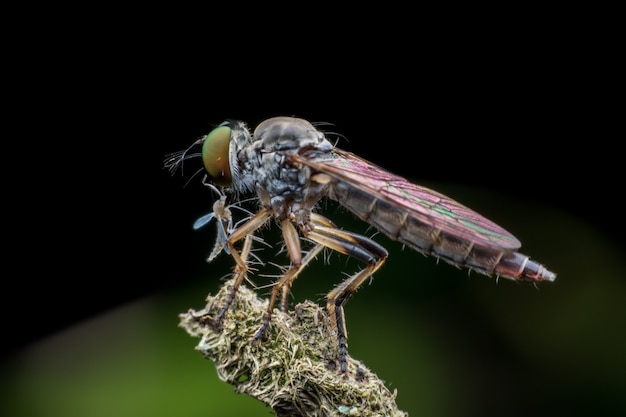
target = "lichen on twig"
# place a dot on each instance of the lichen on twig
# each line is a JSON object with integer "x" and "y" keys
{"x": 293, "y": 369}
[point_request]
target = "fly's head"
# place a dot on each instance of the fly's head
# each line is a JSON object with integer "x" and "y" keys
{"x": 223, "y": 157}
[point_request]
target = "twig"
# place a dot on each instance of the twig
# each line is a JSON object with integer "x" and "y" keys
{"x": 293, "y": 370}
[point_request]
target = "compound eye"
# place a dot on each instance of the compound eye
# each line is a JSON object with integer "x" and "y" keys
{"x": 215, "y": 155}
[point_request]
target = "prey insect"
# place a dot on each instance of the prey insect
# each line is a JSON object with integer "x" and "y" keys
{"x": 224, "y": 219}
{"x": 290, "y": 166}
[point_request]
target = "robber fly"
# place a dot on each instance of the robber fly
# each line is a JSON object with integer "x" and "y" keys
{"x": 290, "y": 165}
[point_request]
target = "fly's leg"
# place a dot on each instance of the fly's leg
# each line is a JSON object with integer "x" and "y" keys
{"x": 359, "y": 247}
{"x": 286, "y": 288}
{"x": 283, "y": 284}
{"x": 246, "y": 231}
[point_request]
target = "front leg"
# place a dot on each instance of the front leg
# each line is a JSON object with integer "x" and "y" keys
{"x": 246, "y": 231}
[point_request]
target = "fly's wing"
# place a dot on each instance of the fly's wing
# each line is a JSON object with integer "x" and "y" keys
{"x": 425, "y": 205}
{"x": 203, "y": 220}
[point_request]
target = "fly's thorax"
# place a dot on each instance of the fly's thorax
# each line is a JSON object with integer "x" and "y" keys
{"x": 288, "y": 133}
{"x": 259, "y": 160}
{"x": 281, "y": 184}
{"x": 287, "y": 189}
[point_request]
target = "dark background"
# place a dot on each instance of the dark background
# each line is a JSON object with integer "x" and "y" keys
{"x": 100, "y": 223}
{"x": 104, "y": 218}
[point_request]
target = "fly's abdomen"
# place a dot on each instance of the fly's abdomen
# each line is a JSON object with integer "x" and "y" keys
{"x": 399, "y": 224}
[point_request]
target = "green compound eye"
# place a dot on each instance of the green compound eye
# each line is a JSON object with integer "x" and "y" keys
{"x": 215, "y": 155}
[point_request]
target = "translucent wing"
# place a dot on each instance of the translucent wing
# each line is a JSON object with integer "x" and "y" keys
{"x": 203, "y": 220}
{"x": 370, "y": 191}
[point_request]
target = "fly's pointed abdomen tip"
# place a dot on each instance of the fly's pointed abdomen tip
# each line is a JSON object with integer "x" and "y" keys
{"x": 548, "y": 275}
{"x": 536, "y": 272}
{"x": 518, "y": 266}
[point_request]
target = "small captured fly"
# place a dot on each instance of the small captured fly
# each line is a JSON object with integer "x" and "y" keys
{"x": 290, "y": 166}
{"x": 224, "y": 219}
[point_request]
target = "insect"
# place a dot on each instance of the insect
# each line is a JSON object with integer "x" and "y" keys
{"x": 224, "y": 219}
{"x": 290, "y": 165}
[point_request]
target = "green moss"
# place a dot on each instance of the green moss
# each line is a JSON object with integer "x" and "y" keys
{"x": 294, "y": 369}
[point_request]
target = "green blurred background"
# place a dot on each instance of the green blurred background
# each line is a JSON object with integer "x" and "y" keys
{"x": 452, "y": 344}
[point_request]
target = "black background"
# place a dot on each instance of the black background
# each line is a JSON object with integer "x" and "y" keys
{"x": 523, "y": 108}
{"x": 99, "y": 221}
